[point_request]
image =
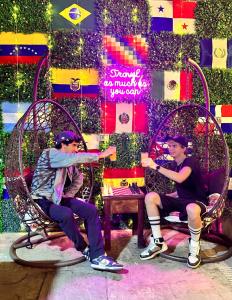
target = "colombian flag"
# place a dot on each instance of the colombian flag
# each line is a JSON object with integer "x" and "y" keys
{"x": 75, "y": 83}
{"x": 123, "y": 177}
{"x": 19, "y": 48}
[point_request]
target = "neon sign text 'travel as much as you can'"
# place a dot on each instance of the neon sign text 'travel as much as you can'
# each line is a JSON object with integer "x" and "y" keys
{"x": 124, "y": 82}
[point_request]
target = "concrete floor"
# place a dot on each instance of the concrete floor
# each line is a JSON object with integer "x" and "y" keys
{"x": 156, "y": 279}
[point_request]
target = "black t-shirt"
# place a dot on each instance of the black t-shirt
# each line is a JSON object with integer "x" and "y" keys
{"x": 193, "y": 187}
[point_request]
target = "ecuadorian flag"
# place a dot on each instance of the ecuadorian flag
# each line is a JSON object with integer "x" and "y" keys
{"x": 19, "y": 48}
{"x": 75, "y": 83}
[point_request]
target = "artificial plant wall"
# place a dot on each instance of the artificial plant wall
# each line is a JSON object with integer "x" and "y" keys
{"x": 77, "y": 49}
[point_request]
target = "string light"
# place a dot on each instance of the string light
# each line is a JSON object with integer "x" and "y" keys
{"x": 15, "y": 12}
{"x": 134, "y": 15}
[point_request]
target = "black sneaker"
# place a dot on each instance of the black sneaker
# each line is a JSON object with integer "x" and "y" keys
{"x": 105, "y": 263}
{"x": 194, "y": 258}
{"x": 154, "y": 248}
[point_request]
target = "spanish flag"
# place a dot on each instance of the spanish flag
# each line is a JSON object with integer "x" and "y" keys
{"x": 19, "y": 48}
{"x": 75, "y": 83}
{"x": 123, "y": 177}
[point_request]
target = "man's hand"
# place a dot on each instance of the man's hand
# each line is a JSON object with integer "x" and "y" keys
{"x": 148, "y": 162}
{"x": 109, "y": 151}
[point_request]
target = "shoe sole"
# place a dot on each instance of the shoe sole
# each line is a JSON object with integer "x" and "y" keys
{"x": 154, "y": 254}
{"x": 195, "y": 266}
{"x": 106, "y": 268}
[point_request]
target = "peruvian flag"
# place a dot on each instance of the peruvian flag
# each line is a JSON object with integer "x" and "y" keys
{"x": 124, "y": 118}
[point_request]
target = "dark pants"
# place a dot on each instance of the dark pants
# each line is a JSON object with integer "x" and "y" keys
{"x": 63, "y": 215}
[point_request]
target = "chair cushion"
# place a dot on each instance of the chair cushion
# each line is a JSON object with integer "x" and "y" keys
{"x": 214, "y": 181}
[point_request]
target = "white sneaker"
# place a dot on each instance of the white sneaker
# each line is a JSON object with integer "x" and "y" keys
{"x": 105, "y": 263}
{"x": 154, "y": 248}
{"x": 194, "y": 258}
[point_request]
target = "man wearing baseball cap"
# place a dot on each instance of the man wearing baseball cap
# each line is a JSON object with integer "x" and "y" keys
{"x": 189, "y": 199}
{"x": 55, "y": 183}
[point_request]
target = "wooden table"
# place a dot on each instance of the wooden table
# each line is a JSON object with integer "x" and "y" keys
{"x": 120, "y": 204}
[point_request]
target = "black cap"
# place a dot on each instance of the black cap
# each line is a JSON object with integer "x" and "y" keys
{"x": 67, "y": 136}
{"x": 178, "y": 139}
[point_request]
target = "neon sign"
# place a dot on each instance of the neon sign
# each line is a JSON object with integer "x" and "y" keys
{"x": 124, "y": 82}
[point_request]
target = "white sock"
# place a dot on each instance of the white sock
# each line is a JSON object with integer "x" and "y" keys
{"x": 195, "y": 233}
{"x": 155, "y": 226}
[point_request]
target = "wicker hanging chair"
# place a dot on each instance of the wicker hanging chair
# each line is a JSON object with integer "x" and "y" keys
{"x": 33, "y": 133}
{"x": 208, "y": 146}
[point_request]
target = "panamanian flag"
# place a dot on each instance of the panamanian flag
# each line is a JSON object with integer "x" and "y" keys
{"x": 75, "y": 83}
{"x": 176, "y": 16}
{"x": 216, "y": 53}
{"x": 223, "y": 114}
{"x": 124, "y": 117}
{"x": 122, "y": 177}
{"x": 19, "y": 48}
{"x": 172, "y": 85}
{"x": 11, "y": 113}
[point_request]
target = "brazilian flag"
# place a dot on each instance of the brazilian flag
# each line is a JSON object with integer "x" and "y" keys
{"x": 71, "y": 14}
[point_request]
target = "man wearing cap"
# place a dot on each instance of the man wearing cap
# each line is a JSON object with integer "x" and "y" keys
{"x": 55, "y": 183}
{"x": 189, "y": 199}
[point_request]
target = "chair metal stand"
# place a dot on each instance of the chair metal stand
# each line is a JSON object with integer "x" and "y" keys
{"x": 24, "y": 242}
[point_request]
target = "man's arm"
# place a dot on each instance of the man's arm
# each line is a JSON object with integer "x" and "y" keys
{"x": 178, "y": 177}
{"x": 59, "y": 159}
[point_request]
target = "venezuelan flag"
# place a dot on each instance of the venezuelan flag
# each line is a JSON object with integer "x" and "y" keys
{"x": 75, "y": 83}
{"x": 19, "y": 48}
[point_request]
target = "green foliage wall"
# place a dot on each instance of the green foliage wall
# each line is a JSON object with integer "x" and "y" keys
{"x": 72, "y": 49}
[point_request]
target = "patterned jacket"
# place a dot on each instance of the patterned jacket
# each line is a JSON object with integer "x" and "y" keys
{"x": 51, "y": 172}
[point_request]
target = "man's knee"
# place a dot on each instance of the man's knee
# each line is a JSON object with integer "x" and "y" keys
{"x": 92, "y": 210}
{"x": 152, "y": 198}
{"x": 193, "y": 210}
{"x": 67, "y": 213}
